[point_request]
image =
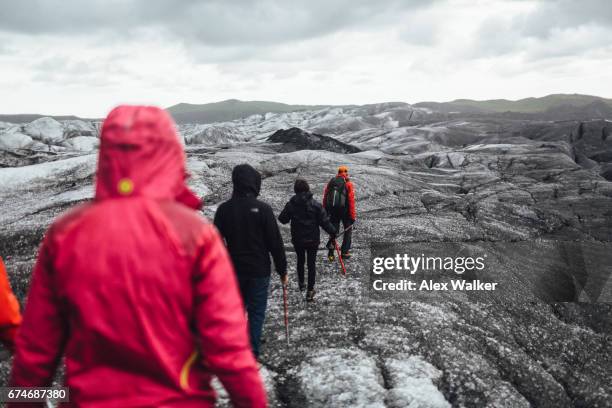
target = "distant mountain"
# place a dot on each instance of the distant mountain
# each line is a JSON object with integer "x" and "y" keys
{"x": 551, "y": 107}
{"x": 598, "y": 109}
{"x": 230, "y": 109}
{"x": 548, "y": 104}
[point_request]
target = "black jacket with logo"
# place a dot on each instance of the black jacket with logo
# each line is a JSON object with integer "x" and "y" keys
{"x": 306, "y": 215}
{"x": 249, "y": 227}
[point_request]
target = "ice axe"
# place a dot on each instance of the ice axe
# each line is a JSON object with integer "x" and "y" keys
{"x": 286, "y": 310}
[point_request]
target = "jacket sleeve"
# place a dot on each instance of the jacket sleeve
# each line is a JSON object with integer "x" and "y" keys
{"x": 7, "y": 336}
{"x": 41, "y": 338}
{"x": 351, "y": 200}
{"x": 219, "y": 222}
{"x": 325, "y": 223}
{"x": 274, "y": 241}
{"x": 10, "y": 318}
{"x": 324, "y": 194}
{"x": 221, "y": 324}
{"x": 285, "y": 215}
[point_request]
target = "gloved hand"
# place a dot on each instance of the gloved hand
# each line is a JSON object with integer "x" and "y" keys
{"x": 333, "y": 236}
{"x": 284, "y": 279}
{"x": 351, "y": 221}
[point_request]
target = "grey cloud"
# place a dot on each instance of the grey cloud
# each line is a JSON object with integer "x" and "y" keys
{"x": 496, "y": 37}
{"x": 76, "y": 71}
{"x": 563, "y": 14}
{"x": 213, "y": 22}
{"x": 538, "y": 31}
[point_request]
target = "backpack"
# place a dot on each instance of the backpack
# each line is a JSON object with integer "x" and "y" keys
{"x": 336, "y": 194}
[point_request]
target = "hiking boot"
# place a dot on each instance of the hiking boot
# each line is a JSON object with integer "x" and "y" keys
{"x": 310, "y": 296}
{"x": 346, "y": 255}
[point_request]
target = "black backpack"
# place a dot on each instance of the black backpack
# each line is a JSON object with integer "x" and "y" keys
{"x": 336, "y": 194}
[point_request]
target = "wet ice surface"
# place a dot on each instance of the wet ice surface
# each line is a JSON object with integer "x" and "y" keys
{"x": 347, "y": 350}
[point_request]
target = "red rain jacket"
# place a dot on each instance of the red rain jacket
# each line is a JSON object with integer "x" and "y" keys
{"x": 128, "y": 287}
{"x": 350, "y": 190}
{"x": 10, "y": 318}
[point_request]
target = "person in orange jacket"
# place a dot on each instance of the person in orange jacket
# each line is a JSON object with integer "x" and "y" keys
{"x": 10, "y": 318}
{"x": 339, "y": 202}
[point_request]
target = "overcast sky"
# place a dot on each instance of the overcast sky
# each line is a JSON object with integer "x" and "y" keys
{"x": 83, "y": 57}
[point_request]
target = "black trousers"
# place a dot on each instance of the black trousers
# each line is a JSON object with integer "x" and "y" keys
{"x": 346, "y": 238}
{"x": 304, "y": 254}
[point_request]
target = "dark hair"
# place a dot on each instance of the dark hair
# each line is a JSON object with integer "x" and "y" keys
{"x": 301, "y": 186}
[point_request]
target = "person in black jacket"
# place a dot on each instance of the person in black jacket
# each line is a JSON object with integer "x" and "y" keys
{"x": 251, "y": 233}
{"x": 306, "y": 215}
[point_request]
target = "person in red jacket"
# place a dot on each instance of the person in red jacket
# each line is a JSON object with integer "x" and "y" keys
{"x": 10, "y": 318}
{"x": 339, "y": 202}
{"x": 135, "y": 289}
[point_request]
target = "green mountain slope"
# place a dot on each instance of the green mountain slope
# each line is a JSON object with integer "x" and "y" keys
{"x": 229, "y": 110}
{"x": 527, "y": 105}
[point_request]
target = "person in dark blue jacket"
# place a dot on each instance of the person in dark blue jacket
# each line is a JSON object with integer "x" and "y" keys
{"x": 306, "y": 216}
{"x": 251, "y": 233}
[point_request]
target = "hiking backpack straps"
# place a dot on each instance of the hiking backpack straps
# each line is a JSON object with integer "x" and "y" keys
{"x": 336, "y": 194}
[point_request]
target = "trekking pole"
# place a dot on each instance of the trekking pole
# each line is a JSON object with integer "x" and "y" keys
{"x": 345, "y": 230}
{"x": 286, "y": 313}
{"x": 340, "y": 257}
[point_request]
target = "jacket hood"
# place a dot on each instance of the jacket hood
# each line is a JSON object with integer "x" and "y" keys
{"x": 301, "y": 198}
{"x": 247, "y": 180}
{"x": 141, "y": 155}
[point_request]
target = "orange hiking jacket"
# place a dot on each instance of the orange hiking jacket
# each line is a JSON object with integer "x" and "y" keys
{"x": 10, "y": 318}
{"x": 350, "y": 189}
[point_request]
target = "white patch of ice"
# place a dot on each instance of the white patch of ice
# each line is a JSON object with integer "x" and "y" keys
{"x": 434, "y": 315}
{"x": 15, "y": 140}
{"x": 340, "y": 378}
{"x": 456, "y": 159}
{"x": 23, "y": 177}
{"x": 490, "y": 147}
{"x": 267, "y": 377}
{"x": 411, "y": 380}
{"x": 83, "y": 143}
{"x": 370, "y": 154}
{"x": 46, "y": 130}
{"x": 390, "y": 124}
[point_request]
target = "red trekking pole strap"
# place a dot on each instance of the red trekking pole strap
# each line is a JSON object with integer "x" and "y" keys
{"x": 340, "y": 257}
{"x": 286, "y": 310}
